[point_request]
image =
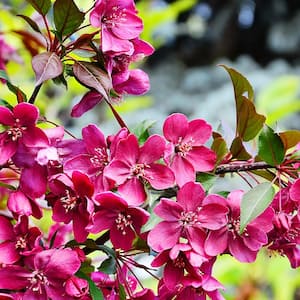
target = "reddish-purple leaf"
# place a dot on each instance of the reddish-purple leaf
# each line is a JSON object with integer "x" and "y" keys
{"x": 46, "y": 66}
{"x": 290, "y": 138}
{"x": 93, "y": 77}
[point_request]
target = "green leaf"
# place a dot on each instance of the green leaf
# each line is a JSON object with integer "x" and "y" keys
{"x": 238, "y": 150}
{"x": 152, "y": 221}
{"x": 290, "y": 138}
{"x": 142, "y": 130}
{"x": 248, "y": 121}
{"x": 255, "y": 202}
{"x": 95, "y": 293}
{"x": 32, "y": 23}
{"x": 67, "y": 16}
{"x": 207, "y": 180}
{"x": 41, "y": 6}
{"x": 6, "y": 104}
{"x": 108, "y": 266}
{"x": 219, "y": 146}
{"x": 3, "y": 75}
{"x": 270, "y": 147}
{"x": 122, "y": 293}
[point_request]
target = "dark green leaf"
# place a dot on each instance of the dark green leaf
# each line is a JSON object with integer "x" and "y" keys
{"x": 61, "y": 80}
{"x": 248, "y": 121}
{"x": 207, "y": 180}
{"x": 41, "y": 6}
{"x": 142, "y": 130}
{"x": 6, "y": 104}
{"x": 223, "y": 193}
{"x": 238, "y": 150}
{"x": 255, "y": 203}
{"x": 290, "y": 138}
{"x": 152, "y": 221}
{"x": 95, "y": 293}
{"x": 3, "y": 75}
{"x": 220, "y": 148}
{"x": 67, "y": 16}
{"x": 32, "y": 23}
{"x": 108, "y": 266}
{"x": 270, "y": 147}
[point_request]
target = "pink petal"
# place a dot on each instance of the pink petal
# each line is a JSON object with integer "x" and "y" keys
{"x": 169, "y": 210}
{"x": 81, "y": 163}
{"x": 216, "y": 242}
{"x": 82, "y": 184}
{"x": 102, "y": 220}
{"x": 128, "y": 150}
{"x": 133, "y": 191}
{"x": 93, "y": 137}
{"x": 80, "y": 221}
{"x": 8, "y": 148}
{"x": 164, "y": 235}
{"x": 111, "y": 201}
{"x": 87, "y": 102}
{"x": 240, "y": 251}
{"x": 175, "y": 127}
{"x": 137, "y": 83}
{"x": 13, "y": 278}
{"x": 8, "y": 253}
{"x": 6, "y": 116}
{"x": 57, "y": 263}
{"x": 183, "y": 170}
{"x": 172, "y": 275}
{"x": 198, "y": 131}
{"x": 121, "y": 240}
{"x": 159, "y": 176}
{"x": 152, "y": 150}
{"x": 294, "y": 190}
{"x": 118, "y": 170}
{"x": 190, "y": 196}
{"x": 6, "y": 229}
{"x": 196, "y": 238}
{"x": 254, "y": 238}
{"x": 26, "y": 113}
{"x": 213, "y": 216}
{"x": 202, "y": 158}
{"x": 19, "y": 204}
{"x": 35, "y": 137}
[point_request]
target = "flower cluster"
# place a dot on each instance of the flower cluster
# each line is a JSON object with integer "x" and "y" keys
{"x": 130, "y": 194}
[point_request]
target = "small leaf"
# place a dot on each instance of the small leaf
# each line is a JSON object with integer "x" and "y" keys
{"x": 270, "y": 147}
{"x": 93, "y": 77}
{"x": 248, "y": 121}
{"x": 41, "y": 6}
{"x": 3, "y": 75}
{"x": 108, "y": 266}
{"x": 207, "y": 180}
{"x": 290, "y": 138}
{"x": 238, "y": 150}
{"x": 152, "y": 221}
{"x": 95, "y": 293}
{"x": 142, "y": 130}
{"x": 32, "y": 23}
{"x": 67, "y": 16}
{"x": 122, "y": 293}
{"x": 255, "y": 203}
{"x": 220, "y": 147}
{"x": 46, "y": 66}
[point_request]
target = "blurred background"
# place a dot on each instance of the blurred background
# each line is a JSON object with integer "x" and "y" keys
{"x": 260, "y": 39}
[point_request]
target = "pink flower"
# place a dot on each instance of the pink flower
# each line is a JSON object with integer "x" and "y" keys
{"x": 119, "y": 23}
{"x": 188, "y": 217}
{"x": 45, "y": 277}
{"x": 133, "y": 166}
{"x": 18, "y": 240}
{"x": 71, "y": 201}
{"x": 123, "y": 221}
{"x": 244, "y": 247}
{"x": 21, "y": 128}
{"x": 94, "y": 160}
{"x": 186, "y": 154}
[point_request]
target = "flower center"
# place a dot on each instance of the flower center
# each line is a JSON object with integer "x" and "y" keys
{"x": 69, "y": 201}
{"x": 117, "y": 15}
{"x": 184, "y": 147}
{"x": 138, "y": 170}
{"x": 16, "y": 131}
{"x": 123, "y": 221}
{"x": 21, "y": 243}
{"x": 179, "y": 263}
{"x": 37, "y": 281}
{"x": 189, "y": 218}
{"x": 100, "y": 158}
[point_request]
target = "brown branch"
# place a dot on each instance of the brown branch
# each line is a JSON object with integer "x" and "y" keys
{"x": 242, "y": 167}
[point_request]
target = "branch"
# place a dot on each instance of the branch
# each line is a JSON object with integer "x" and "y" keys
{"x": 35, "y": 93}
{"x": 242, "y": 167}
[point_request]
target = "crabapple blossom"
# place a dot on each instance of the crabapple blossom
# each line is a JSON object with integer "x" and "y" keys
{"x": 188, "y": 217}
{"x": 186, "y": 153}
{"x": 123, "y": 221}
{"x": 20, "y": 124}
{"x": 133, "y": 165}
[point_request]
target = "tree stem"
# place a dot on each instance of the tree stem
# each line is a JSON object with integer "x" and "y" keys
{"x": 242, "y": 167}
{"x": 35, "y": 93}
